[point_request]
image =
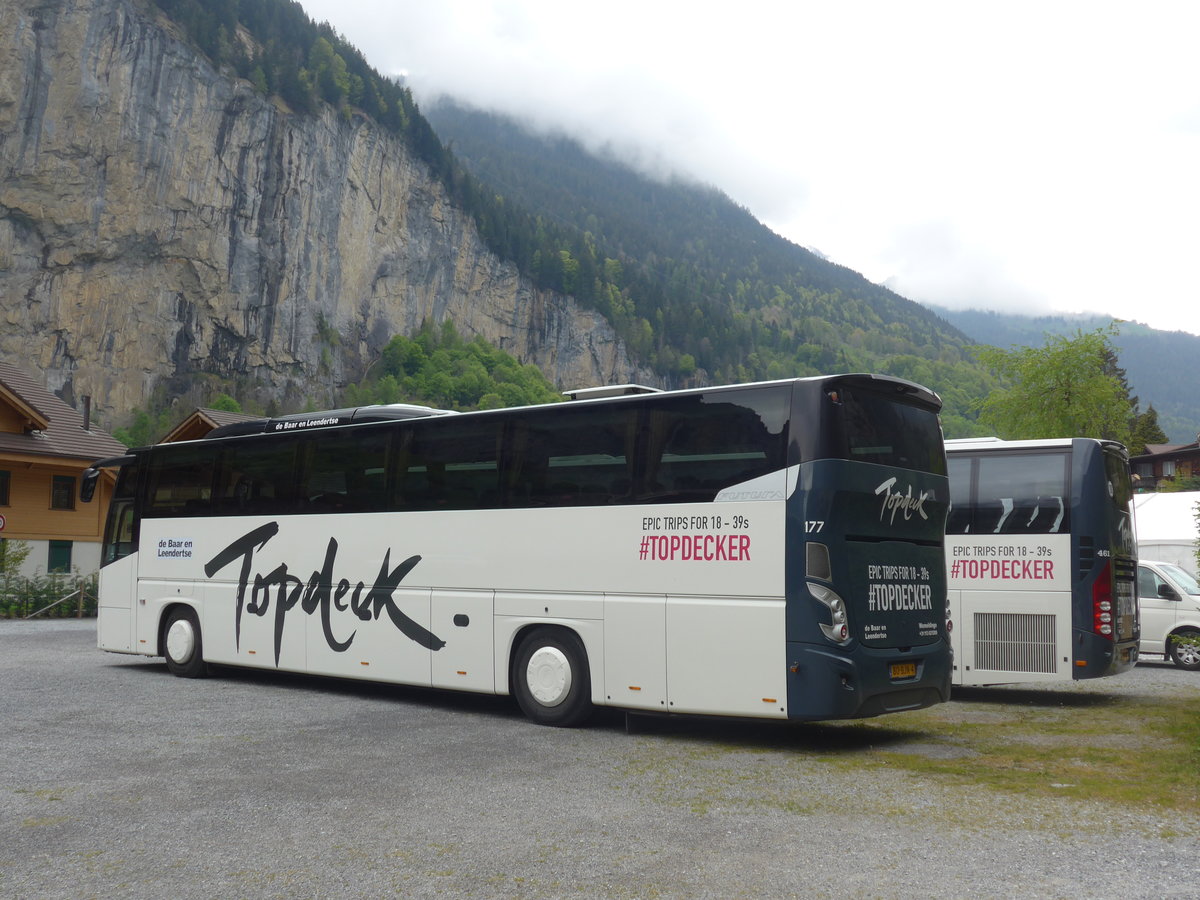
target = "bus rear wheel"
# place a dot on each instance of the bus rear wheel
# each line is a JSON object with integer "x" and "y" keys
{"x": 1184, "y": 649}
{"x": 550, "y": 678}
{"x": 182, "y": 645}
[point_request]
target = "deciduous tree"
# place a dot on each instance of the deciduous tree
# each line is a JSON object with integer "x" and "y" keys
{"x": 1066, "y": 388}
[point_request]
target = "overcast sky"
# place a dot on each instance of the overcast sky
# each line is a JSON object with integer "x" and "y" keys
{"x": 1035, "y": 157}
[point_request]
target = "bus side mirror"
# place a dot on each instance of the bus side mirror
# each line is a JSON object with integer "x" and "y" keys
{"x": 87, "y": 486}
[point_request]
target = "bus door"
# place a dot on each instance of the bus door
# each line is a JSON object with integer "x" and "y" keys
{"x": 118, "y": 564}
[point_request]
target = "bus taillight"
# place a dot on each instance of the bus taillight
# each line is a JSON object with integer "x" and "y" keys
{"x": 837, "y": 630}
{"x": 1102, "y": 603}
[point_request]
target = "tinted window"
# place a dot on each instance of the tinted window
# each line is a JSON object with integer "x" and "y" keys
{"x": 571, "y": 457}
{"x": 346, "y": 471}
{"x": 450, "y": 464}
{"x": 120, "y": 531}
{"x": 1013, "y": 493}
{"x": 180, "y": 481}
{"x": 258, "y": 478}
{"x": 696, "y": 446}
{"x": 961, "y": 469}
{"x": 1120, "y": 484}
{"x": 669, "y": 450}
{"x": 886, "y": 431}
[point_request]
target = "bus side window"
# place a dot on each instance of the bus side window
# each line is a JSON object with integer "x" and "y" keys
{"x": 570, "y": 458}
{"x": 258, "y": 477}
{"x": 699, "y": 445}
{"x": 180, "y": 482}
{"x": 346, "y": 472}
{"x": 961, "y": 509}
{"x": 452, "y": 465}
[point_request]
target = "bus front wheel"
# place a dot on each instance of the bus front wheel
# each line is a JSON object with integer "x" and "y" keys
{"x": 182, "y": 645}
{"x": 550, "y": 678}
{"x": 1184, "y": 649}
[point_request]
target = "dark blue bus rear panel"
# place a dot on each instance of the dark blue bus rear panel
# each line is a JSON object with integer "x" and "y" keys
{"x": 1105, "y": 630}
{"x": 866, "y": 591}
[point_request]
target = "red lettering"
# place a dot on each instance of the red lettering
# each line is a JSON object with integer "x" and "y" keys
{"x": 696, "y": 547}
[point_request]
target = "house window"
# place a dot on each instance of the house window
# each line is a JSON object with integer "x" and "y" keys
{"x": 5, "y": 478}
{"x": 62, "y": 492}
{"x": 59, "y": 559}
{"x": 1168, "y": 467}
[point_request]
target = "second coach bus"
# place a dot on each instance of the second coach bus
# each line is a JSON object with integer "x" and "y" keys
{"x": 769, "y": 550}
{"x": 1041, "y": 559}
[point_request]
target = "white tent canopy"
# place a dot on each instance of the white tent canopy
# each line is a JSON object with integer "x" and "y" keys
{"x": 1166, "y": 527}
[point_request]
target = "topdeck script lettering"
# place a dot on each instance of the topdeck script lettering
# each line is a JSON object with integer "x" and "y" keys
{"x": 319, "y": 592}
{"x": 894, "y": 502}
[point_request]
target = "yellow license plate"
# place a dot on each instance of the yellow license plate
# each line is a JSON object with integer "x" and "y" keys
{"x": 904, "y": 670}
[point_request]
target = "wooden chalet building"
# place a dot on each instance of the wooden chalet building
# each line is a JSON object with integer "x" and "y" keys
{"x": 1165, "y": 462}
{"x": 201, "y": 422}
{"x": 45, "y": 445}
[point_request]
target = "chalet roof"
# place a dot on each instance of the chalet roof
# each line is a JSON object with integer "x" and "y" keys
{"x": 1169, "y": 449}
{"x": 1164, "y": 448}
{"x": 201, "y": 422}
{"x": 55, "y": 429}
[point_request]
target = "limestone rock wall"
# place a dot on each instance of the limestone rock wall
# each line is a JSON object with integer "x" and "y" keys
{"x": 160, "y": 221}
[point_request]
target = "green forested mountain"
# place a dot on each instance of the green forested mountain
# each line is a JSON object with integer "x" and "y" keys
{"x": 700, "y": 287}
{"x": 700, "y": 291}
{"x": 1160, "y": 366}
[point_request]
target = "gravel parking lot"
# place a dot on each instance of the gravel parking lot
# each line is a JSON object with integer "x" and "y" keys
{"x": 120, "y": 780}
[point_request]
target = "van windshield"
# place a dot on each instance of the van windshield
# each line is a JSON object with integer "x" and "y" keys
{"x": 1183, "y": 579}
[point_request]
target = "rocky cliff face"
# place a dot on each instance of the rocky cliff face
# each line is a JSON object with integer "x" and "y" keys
{"x": 160, "y": 220}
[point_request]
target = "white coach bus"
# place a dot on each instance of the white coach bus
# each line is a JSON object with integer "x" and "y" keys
{"x": 1041, "y": 560}
{"x": 768, "y": 550}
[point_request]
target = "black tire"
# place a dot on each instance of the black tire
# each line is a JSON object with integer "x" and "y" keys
{"x": 182, "y": 644}
{"x": 550, "y": 678}
{"x": 1186, "y": 655}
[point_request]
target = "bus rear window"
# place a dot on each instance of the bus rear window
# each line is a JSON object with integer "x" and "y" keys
{"x": 889, "y": 432}
{"x": 1014, "y": 493}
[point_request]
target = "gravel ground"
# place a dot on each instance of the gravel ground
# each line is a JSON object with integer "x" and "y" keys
{"x": 119, "y": 780}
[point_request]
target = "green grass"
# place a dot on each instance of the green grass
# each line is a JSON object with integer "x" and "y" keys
{"x": 1139, "y": 753}
{"x": 1061, "y": 756}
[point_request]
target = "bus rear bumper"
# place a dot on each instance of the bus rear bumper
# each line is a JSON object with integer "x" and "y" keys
{"x": 827, "y": 684}
{"x": 1096, "y": 656}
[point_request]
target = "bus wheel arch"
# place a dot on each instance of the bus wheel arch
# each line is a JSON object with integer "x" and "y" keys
{"x": 1184, "y": 655}
{"x": 182, "y": 643}
{"x": 550, "y": 676}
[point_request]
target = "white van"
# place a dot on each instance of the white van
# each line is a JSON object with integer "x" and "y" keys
{"x": 1169, "y": 602}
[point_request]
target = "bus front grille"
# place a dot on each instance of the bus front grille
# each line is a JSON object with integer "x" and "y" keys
{"x": 1014, "y": 642}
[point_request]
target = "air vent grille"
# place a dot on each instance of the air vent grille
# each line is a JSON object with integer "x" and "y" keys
{"x": 1014, "y": 642}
